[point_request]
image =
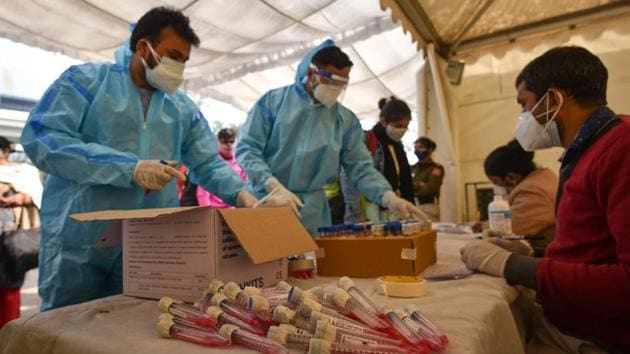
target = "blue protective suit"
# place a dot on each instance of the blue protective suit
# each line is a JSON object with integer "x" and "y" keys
{"x": 302, "y": 144}
{"x": 88, "y": 132}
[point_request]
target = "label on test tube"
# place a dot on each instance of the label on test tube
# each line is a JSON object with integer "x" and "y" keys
{"x": 345, "y": 324}
{"x": 346, "y": 338}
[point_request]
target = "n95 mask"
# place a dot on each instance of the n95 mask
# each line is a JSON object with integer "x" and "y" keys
{"x": 535, "y": 136}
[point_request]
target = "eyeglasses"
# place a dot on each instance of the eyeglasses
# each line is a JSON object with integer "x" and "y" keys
{"x": 329, "y": 78}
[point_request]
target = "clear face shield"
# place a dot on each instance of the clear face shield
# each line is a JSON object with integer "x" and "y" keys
{"x": 335, "y": 85}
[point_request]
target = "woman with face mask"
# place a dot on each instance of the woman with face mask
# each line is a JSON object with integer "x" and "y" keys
{"x": 384, "y": 143}
{"x": 531, "y": 191}
{"x": 428, "y": 176}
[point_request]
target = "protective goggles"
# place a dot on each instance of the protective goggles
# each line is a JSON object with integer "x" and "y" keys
{"x": 330, "y": 79}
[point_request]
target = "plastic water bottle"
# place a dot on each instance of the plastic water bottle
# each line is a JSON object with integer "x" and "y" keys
{"x": 500, "y": 216}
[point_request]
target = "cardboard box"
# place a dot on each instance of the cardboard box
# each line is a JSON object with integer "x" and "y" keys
{"x": 177, "y": 251}
{"x": 374, "y": 256}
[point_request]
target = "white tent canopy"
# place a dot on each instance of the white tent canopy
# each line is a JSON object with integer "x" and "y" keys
{"x": 247, "y": 47}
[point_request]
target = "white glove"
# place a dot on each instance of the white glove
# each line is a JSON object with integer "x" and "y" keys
{"x": 402, "y": 208}
{"x": 279, "y": 196}
{"x": 153, "y": 174}
{"x": 245, "y": 200}
{"x": 521, "y": 247}
{"x": 485, "y": 256}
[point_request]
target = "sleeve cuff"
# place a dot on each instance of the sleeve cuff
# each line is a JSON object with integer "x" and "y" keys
{"x": 521, "y": 270}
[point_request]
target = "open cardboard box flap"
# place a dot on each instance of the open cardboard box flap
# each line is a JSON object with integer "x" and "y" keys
{"x": 258, "y": 229}
{"x": 266, "y": 234}
{"x": 130, "y": 214}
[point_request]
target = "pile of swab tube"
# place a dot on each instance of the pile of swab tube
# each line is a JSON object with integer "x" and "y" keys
{"x": 323, "y": 319}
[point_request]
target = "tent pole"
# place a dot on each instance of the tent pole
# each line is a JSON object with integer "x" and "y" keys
{"x": 450, "y": 205}
{"x": 421, "y": 91}
{"x": 441, "y": 100}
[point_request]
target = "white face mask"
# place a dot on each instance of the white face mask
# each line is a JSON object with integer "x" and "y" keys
{"x": 327, "y": 94}
{"x": 167, "y": 75}
{"x": 394, "y": 133}
{"x": 535, "y": 136}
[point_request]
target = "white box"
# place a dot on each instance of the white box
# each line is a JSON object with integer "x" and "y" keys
{"x": 177, "y": 251}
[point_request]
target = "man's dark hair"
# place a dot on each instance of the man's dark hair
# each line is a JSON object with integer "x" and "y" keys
{"x": 226, "y": 133}
{"x": 393, "y": 109}
{"x": 427, "y": 143}
{"x": 153, "y": 22}
{"x": 509, "y": 158}
{"x": 331, "y": 56}
{"x": 573, "y": 69}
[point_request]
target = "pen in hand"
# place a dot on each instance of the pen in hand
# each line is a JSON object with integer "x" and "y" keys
{"x": 148, "y": 191}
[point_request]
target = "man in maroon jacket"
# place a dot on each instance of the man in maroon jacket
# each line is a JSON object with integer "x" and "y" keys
{"x": 583, "y": 280}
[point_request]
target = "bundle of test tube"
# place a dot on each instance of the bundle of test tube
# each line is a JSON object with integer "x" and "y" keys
{"x": 323, "y": 319}
{"x": 394, "y": 228}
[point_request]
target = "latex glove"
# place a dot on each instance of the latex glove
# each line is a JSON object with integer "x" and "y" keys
{"x": 245, "y": 200}
{"x": 153, "y": 174}
{"x": 402, "y": 208}
{"x": 280, "y": 196}
{"x": 515, "y": 246}
{"x": 485, "y": 256}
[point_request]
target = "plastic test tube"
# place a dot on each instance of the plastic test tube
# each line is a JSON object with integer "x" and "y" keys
{"x": 348, "y": 285}
{"x": 326, "y": 330}
{"x": 378, "y": 229}
{"x": 185, "y": 322}
{"x": 400, "y": 327}
{"x": 300, "y": 339}
{"x": 223, "y": 318}
{"x": 252, "y": 341}
{"x": 426, "y": 335}
{"x": 221, "y": 301}
{"x": 235, "y": 294}
{"x": 349, "y": 328}
{"x": 253, "y": 303}
{"x": 307, "y": 306}
{"x": 214, "y": 287}
{"x": 178, "y": 308}
{"x": 322, "y": 346}
{"x": 166, "y": 327}
{"x": 357, "y": 335}
{"x": 344, "y": 301}
{"x": 416, "y": 315}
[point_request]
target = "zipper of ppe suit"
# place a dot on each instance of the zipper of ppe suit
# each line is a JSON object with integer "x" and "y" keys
{"x": 144, "y": 135}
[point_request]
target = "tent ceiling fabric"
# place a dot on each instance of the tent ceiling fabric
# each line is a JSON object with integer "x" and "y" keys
{"x": 445, "y": 23}
{"x": 247, "y": 47}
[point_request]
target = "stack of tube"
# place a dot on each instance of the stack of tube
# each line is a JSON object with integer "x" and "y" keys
{"x": 392, "y": 228}
{"x": 323, "y": 319}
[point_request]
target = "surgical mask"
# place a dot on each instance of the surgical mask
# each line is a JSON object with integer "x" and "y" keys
{"x": 394, "y": 133}
{"x": 327, "y": 94}
{"x": 535, "y": 136}
{"x": 499, "y": 190}
{"x": 421, "y": 155}
{"x": 167, "y": 75}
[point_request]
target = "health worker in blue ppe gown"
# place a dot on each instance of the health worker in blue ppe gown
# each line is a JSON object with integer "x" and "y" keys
{"x": 109, "y": 136}
{"x": 296, "y": 137}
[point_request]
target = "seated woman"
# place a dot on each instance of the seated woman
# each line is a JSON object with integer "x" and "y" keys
{"x": 531, "y": 191}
